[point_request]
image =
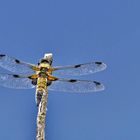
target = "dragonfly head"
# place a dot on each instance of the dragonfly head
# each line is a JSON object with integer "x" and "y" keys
{"x": 47, "y": 59}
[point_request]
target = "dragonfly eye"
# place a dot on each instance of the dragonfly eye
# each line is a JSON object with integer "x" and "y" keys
{"x": 46, "y": 61}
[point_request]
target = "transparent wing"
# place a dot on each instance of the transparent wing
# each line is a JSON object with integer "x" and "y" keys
{"x": 73, "y": 85}
{"x": 15, "y": 81}
{"x": 81, "y": 69}
{"x": 15, "y": 65}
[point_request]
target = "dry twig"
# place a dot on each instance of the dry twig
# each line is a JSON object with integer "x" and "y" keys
{"x": 41, "y": 117}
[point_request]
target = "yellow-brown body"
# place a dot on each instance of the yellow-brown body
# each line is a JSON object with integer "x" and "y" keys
{"x": 41, "y": 81}
{"x": 43, "y": 77}
{"x": 41, "y": 84}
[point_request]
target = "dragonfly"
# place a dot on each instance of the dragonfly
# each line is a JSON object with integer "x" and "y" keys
{"x": 26, "y": 75}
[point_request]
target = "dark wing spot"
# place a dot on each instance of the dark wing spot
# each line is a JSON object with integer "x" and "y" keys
{"x": 16, "y": 76}
{"x": 98, "y": 63}
{"x": 17, "y": 61}
{"x": 34, "y": 81}
{"x": 30, "y": 77}
{"x": 77, "y": 66}
{"x": 49, "y": 83}
{"x": 72, "y": 80}
{"x": 2, "y": 55}
{"x": 97, "y": 83}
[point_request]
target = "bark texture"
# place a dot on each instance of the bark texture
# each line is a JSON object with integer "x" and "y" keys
{"x": 41, "y": 117}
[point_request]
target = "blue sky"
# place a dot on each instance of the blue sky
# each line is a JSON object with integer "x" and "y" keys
{"x": 75, "y": 31}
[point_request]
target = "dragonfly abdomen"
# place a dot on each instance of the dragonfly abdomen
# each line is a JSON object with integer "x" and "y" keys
{"x": 40, "y": 89}
{"x": 41, "y": 84}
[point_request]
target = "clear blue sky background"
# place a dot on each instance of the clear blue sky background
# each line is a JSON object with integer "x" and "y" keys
{"x": 75, "y": 31}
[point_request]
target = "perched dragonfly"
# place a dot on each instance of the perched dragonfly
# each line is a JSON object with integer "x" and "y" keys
{"x": 28, "y": 75}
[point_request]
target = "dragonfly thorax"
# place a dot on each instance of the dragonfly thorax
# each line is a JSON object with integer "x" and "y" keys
{"x": 44, "y": 65}
{"x": 43, "y": 74}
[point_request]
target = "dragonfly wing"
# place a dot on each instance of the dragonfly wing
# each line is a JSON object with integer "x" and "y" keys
{"x": 77, "y": 86}
{"x": 15, "y": 65}
{"x": 81, "y": 69}
{"x": 15, "y": 81}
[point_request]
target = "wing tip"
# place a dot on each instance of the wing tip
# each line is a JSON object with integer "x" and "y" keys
{"x": 99, "y": 86}
{"x": 104, "y": 65}
{"x": 101, "y": 66}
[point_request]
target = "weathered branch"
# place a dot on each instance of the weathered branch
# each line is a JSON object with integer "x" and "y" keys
{"x": 41, "y": 117}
